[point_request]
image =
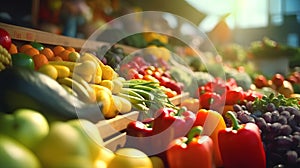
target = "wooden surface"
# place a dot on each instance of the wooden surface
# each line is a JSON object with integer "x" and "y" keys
{"x": 179, "y": 98}
{"x": 112, "y": 126}
{"x": 112, "y": 130}
{"x": 28, "y": 34}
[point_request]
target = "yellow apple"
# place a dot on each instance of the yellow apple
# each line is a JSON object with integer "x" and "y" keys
{"x": 90, "y": 134}
{"x": 62, "y": 144}
{"x": 130, "y": 158}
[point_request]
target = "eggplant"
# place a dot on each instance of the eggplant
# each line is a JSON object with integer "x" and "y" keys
{"x": 25, "y": 88}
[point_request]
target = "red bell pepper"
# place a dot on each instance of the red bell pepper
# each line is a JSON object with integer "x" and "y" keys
{"x": 234, "y": 96}
{"x": 140, "y": 128}
{"x": 137, "y": 131}
{"x": 170, "y": 124}
{"x": 192, "y": 151}
{"x": 212, "y": 122}
{"x": 241, "y": 145}
{"x": 210, "y": 100}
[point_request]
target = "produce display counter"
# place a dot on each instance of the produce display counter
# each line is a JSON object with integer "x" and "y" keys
{"x": 111, "y": 130}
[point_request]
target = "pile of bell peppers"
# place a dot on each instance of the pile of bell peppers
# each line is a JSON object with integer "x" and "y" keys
{"x": 174, "y": 136}
{"x": 153, "y": 135}
{"x": 216, "y": 94}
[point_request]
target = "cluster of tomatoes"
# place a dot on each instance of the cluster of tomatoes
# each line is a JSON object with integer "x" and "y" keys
{"x": 138, "y": 68}
{"x": 218, "y": 93}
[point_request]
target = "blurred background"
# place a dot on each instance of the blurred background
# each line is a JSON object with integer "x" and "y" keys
{"x": 246, "y": 20}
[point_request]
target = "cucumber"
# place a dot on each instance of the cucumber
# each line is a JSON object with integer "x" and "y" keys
{"x": 24, "y": 88}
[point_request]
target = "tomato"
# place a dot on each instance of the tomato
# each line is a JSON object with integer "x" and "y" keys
{"x": 131, "y": 73}
{"x": 5, "y": 39}
{"x": 22, "y": 60}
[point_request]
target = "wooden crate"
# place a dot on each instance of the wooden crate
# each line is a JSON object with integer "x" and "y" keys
{"x": 112, "y": 130}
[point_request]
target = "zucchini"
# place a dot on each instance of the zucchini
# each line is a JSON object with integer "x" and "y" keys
{"x": 24, "y": 88}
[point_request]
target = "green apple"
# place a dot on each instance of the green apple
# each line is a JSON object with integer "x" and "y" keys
{"x": 62, "y": 143}
{"x": 15, "y": 155}
{"x": 90, "y": 133}
{"x": 27, "y": 126}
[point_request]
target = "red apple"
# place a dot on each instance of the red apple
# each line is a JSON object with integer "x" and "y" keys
{"x": 260, "y": 81}
{"x": 278, "y": 79}
{"x": 5, "y": 39}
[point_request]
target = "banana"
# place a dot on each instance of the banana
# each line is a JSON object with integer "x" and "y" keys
{"x": 62, "y": 71}
{"x": 88, "y": 88}
{"x": 77, "y": 87}
{"x": 109, "y": 109}
{"x": 107, "y": 83}
{"x": 99, "y": 87}
{"x": 71, "y": 65}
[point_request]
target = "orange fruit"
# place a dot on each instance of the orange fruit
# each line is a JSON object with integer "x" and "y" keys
{"x": 58, "y": 49}
{"x": 70, "y": 49}
{"x": 31, "y": 51}
{"x": 56, "y": 58}
{"x": 13, "y": 49}
{"x": 47, "y": 52}
{"x": 64, "y": 55}
{"x": 39, "y": 60}
{"x": 24, "y": 47}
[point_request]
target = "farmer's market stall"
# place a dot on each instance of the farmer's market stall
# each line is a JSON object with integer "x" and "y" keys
{"x": 93, "y": 104}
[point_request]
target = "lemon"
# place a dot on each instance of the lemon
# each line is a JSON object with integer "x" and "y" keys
{"x": 49, "y": 70}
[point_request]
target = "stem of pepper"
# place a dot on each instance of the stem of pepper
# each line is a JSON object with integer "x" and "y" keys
{"x": 233, "y": 119}
{"x": 195, "y": 131}
{"x": 180, "y": 110}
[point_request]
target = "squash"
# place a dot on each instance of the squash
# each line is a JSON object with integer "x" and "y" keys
{"x": 24, "y": 88}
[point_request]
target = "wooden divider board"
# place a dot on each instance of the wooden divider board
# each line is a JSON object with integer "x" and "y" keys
{"x": 28, "y": 34}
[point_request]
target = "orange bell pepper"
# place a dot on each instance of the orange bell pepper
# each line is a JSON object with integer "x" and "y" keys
{"x": 212, "y": 122}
